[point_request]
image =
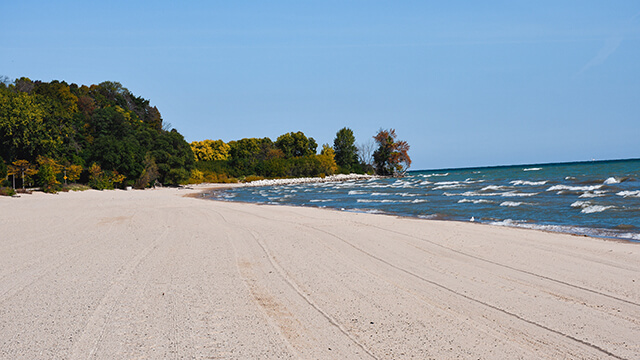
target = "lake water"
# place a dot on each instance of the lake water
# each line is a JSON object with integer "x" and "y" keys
{"x": 599, "y": 198}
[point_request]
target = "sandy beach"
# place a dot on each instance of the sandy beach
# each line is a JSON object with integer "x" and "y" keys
{"x": 156, "y": 274}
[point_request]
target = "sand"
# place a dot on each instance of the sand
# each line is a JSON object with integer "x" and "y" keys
{"x": 154, "y": 274}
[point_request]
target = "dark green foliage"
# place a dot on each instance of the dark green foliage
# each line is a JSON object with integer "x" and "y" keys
{"x": 103, "y": 124}
{"x": 346, "y": 153}
{"x": 7, "y": 191}
{"x": 296, "y": 145}
{"x": 3, "y": 171}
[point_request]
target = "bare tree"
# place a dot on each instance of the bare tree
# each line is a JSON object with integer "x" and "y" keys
{"x": 365, "y": 152}
{"x": 4, "y": 79}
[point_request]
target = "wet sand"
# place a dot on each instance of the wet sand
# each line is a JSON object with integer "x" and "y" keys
{"x": 154, "y": 274}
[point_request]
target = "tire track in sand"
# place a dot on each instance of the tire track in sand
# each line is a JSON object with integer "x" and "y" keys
{"x": 472, "y": 299}
{"x": 95, "y": 328}
{"x": 289, "y": 281}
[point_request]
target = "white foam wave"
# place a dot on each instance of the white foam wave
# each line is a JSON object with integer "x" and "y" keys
{"x": 518, "y": 194}
{"x": 380, "y": 194}
{"x": 484, "y": 194}
{"x": 529, "y": 183}
{"x": 611, "y": 180}
{"x": 574, "y": 188}
{"x": 532, "y": 169}
{"x": 568, "y": 229}
{"x": 408, "y": 194}
{"x": 595, "y": 209}
{"x": 356, "y": 192}
{"x": 511, "y": 203}
{"x": 579, "y": 204}
{"x": 593, "y": 194}
{"x": 494, "y": 188}
{"x": 475, "y": 201}
{"x": 320, "y": 200}
{"x": 435, "y": 174}
{"x": 634, "y": 193}
{"x": 589, "y": 208}
{"x": 388, "y": 201}
{"x": 440, "y": 183}
{"x": 448, "y": 187}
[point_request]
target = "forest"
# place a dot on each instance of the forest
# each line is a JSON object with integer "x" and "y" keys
{"x": 57, "y": 136}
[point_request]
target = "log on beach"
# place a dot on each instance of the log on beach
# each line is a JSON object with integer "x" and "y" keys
{"x": 155, "y": 274}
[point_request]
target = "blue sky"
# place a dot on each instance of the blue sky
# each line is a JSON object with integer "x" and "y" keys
{"x": 466, "y": 83}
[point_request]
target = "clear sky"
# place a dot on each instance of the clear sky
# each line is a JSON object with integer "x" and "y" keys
{"x": 466, "y": 83}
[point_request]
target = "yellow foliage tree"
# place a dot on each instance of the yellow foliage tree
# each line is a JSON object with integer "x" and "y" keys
{"x": 73, "y": 172}
{"x": 23, "y": 168}
{"x": 327, "y": 160}
{"x": 207, "y": 150}
{"x": 47, "y": 172}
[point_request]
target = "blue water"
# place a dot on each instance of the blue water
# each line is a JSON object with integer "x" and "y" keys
{"x": 590, "y": 198}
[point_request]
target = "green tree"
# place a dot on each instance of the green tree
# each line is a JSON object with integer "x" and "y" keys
{"x": 48, "y": 171}
{"x": 345, "y": 149}
{"x": 23, "y": 132}
{"x": 391, "y": 157}
{"x": 296, "y": 145}
{"x": 149, "y": 174}
{"x": 3, "y": 171}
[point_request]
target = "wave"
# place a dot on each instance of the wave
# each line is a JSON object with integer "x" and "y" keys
{"x": 530, "y": 183}
{"x": 589, "y": 208}
{"x": 494, "y": 188}
{"x": 484, "y": 194}
{"x": 518, "y": 194}
{"x": 611, "y": 180}
{"x": 574, "y": 188}
{"x": 511, "y": 203}
{"x": 532, "y": 169}
{"x": 593, "y": 194}
{"x": 568, "y": 229}
{"x": 320, "y": 200}
{"x": 448, "y": 187}
{"x": 389, "y": 201}
{"x": 356, "y": 192}
{"x": 440, "y": 183}
{"x": 634, "y": 193}
{"x": 475, "y": 201}
{"x": 380, "y": 194}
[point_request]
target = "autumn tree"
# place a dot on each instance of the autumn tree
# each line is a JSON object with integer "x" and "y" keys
{"x": 48, "y": 171}
{"x": 391, "y": 157}
{"x": 72, "y": 172}
{"x": 327, "y": 164}
{"x": 23, "y": 168}
{"x": 207, "y": 150}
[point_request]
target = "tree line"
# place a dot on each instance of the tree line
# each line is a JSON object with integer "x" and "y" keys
{"x": 104, "y": 136}
{"x": 294, "y": 155}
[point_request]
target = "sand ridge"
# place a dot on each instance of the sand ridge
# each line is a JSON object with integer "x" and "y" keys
{"x": 155, "y": 274}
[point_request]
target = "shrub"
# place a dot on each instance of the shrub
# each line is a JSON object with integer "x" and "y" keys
{"x": 7, "y": 191}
